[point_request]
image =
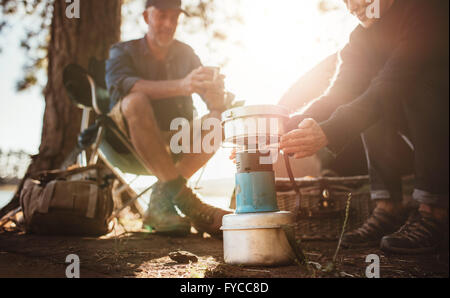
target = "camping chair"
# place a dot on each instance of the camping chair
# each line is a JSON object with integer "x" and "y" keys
{"x": 87, "y": 90}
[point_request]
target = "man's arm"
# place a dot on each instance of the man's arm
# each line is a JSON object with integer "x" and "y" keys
{"x": 159, "y": 89}
{"x": 424, "y": 43}
{"x": 122, "y": 78}
{"x": 195, "y": 82}
{"x": 120, "y": 74}
{"x": 310, "y": 85}
{"x": 212, "y": 94}
{"x": 352, "y": 77}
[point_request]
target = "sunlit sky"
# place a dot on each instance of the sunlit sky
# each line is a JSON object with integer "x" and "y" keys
{"x": 279, "y": 41}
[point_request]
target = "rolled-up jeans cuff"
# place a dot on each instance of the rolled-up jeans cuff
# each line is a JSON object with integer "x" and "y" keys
{"x": 382, "y": 194}
{"x": 425, "y": 197}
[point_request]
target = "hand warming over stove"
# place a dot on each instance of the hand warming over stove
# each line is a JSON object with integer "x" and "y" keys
{"x": 304, "y": 141}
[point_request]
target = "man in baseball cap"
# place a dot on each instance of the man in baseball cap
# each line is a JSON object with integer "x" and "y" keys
{"x": 151, "y": 81}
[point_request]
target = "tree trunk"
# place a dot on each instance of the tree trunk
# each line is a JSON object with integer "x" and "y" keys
{"x": 72, "y": 41}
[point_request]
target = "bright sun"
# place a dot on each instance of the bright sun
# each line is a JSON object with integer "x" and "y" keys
{"x": 280, "y": 41}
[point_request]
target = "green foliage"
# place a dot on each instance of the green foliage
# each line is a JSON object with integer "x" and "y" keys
{"x": 344, "y": 225}
{"x": 331, "y": 266}
{"x": 327, "y": 5}
{"x": 35, "y": 17}
{"x": 301, "y": 259}
{"x": 209, "y": 21}
{"x": 214, "y": 19}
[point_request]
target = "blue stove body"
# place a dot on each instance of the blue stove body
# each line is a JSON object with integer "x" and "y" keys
{"x": 255, "y": 192}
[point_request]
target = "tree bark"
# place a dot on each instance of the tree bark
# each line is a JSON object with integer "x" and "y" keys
{"x": 71, "y": 41}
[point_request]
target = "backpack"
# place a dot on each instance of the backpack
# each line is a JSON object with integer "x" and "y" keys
{"x": 75, "y": 202}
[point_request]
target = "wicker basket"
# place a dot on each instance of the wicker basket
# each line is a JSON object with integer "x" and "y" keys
{"x": 323, "y": 203}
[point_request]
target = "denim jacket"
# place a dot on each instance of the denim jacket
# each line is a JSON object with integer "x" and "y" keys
{"x": 132, "y": 61}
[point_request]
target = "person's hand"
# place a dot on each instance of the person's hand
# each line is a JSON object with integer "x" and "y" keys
{"x": 304, "y": 141}
{"x": 214, "y": 96}
{"x": 294, "y": 121}
{"x": 233, "y": 155}
{"x": 198, "y": 81}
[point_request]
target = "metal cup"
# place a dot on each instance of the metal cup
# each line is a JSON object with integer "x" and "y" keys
{"x": 215, "y": 71}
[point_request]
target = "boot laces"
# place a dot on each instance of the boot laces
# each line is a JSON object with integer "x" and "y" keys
{"x": 418, "y": 227}
{"x": 197, "y": 209}
{"x": 375, "y": 225}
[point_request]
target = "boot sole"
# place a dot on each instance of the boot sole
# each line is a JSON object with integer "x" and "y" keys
{"x": 407, "y": 251}
{"x": 370, "y": 244}
{"x": 171, "y": 231}
{"x": 216, "y": 235}
{"x": 177, "y": 230}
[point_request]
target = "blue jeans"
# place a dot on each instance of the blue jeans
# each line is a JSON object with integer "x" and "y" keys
{"x": 414, "y": 139}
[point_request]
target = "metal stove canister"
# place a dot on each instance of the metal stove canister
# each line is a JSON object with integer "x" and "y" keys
{"x": 254, "y": 234}
{"x": 255, "y": 184}
{"x": 257, "y": 239}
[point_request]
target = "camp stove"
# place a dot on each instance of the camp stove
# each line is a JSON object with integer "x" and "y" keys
{"x": 253, "y": 235}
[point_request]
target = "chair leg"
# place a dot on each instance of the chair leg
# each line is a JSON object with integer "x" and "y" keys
{"x": 82, "y": 159}
{"x": 133, "y": 200}
{"x": 94, "y": 155}
{"x": 120, "y": 176}
{"x": 124, "y": 187}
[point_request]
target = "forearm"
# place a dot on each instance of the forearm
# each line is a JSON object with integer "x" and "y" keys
{"x": 349, "y": 120}
{"x": 419, "y": 50}
{"x": 311, "y": 85}
{"x": 351, "y": 78}
{"x": 320, "y": 109}
{"x": 350, "y": 81}
{"x": 160, "y": 89}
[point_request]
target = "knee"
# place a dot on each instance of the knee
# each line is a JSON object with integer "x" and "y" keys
{"x": 135, "y": 104}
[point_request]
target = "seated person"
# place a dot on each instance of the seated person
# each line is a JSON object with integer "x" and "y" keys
{"x": 151, "y": 81}
{"x": 391, "y": 87}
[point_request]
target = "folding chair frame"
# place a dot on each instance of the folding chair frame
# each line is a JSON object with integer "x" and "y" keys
{"x": 96, "y": 153}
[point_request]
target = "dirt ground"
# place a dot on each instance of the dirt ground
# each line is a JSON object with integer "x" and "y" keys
{"x": 141, "y": 254}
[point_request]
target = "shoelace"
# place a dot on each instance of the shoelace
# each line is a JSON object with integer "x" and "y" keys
{"x": 196, "y": 209}
{"x": 377, "y": 223}
{"x": 418, "y": 229}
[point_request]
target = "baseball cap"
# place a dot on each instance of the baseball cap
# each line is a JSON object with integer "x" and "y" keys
{"x": 166, "y": 4}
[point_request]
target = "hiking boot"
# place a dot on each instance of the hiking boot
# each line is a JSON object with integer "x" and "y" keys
{"x": 420, "y": 234}
{"x": 379, "y": 224}
{"x": 204, "y": 217}
{"x": 162, "y": 216}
